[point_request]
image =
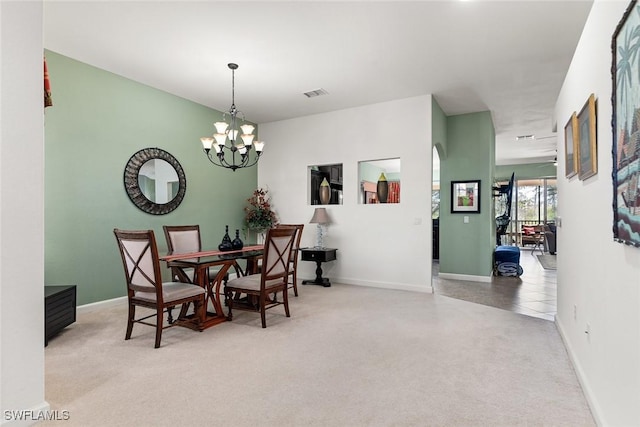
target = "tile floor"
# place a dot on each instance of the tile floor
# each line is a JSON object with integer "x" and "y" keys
{"x": 532, "y": 294}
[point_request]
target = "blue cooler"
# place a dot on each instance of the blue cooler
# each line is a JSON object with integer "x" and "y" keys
{"x": 506, "y": 261}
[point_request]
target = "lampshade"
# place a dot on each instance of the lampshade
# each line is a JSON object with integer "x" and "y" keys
{"x": 320, "y": 216}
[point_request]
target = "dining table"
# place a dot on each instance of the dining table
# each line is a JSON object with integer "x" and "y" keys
{"x": 201, "y": 262}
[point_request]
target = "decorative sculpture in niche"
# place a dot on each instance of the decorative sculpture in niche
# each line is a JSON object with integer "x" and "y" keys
{"x": 382, "y": 189}
{"x": 325, "y": 192}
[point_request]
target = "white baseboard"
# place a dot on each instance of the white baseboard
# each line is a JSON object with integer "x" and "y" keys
{"x": 465, "y": 277}
{"x": 86, "y": 308}
{"x": 383, "y": 285}
{"x": 582, "y": 379}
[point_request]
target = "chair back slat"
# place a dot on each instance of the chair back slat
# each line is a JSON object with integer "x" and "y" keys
{"x": 277, "y": 253}
{"x": 140, "y": 260}
{"x": 296, "y": 243}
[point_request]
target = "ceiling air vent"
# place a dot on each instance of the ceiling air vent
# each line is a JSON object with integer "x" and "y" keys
{"x": 314, "y": 93}
{"x": 523, "y": 137}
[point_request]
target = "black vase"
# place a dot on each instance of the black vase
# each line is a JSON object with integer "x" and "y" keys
{"x": 382, "y": 189}
{"x": 237, "y": 243}
{"x": 226, "y": 244}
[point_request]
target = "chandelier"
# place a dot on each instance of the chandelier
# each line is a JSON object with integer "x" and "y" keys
{"x": 229, "y": 152}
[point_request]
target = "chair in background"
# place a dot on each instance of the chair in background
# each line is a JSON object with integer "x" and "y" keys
{"x": 182, "y": 239}
{"x": 293, "y": 261}
{"x": 549, "y": 240}
{"x": 273, "y": 278}
{"x": 145, "y": 288}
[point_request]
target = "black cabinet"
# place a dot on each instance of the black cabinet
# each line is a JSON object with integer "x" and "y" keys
{"x": 316, "y": 180}
{"x": 436, "y": 238}
{"x": 59, "y": 309}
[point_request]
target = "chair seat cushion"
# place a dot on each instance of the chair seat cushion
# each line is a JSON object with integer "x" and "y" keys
{"x": 252, "y": 282}
{"x": 173, "y": 291}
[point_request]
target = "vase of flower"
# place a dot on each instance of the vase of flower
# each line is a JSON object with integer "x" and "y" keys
{"x": 261, "y": 236}
{"x": 259, "y": 217}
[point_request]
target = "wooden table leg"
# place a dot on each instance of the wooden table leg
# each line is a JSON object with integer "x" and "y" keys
{"x": 213, "y": 288}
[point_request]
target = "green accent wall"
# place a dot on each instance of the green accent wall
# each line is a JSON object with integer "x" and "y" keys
{"x": 467, "y": 249}
{"x": 438, "y": 128}
{"x": 98, "y": 121}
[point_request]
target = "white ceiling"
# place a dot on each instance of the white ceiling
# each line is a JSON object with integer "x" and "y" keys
{"x": 508, "y": 57}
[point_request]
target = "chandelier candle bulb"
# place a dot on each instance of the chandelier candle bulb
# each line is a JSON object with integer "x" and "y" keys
{"x": 206, "y": 143}
{"x": 221, "y": 127}
{"x": 247, "y": 139}
{"x": 220, "y": 138}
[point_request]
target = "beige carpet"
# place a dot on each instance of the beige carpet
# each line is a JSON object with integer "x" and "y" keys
{"x": 547, "y": 261}
{"x": 348, "y": 356}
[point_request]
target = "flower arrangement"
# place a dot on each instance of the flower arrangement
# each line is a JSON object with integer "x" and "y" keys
{"x": 258, "y": 214}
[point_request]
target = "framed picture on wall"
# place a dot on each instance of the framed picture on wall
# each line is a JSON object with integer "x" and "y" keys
{"x": 570, "y": 146}
{"x": 587, "y": 154}
{"x": 465, "y": 196}
{"x": 625, "y": 76}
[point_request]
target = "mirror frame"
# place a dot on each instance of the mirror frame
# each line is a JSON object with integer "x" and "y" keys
{"x": 132, "y": 187}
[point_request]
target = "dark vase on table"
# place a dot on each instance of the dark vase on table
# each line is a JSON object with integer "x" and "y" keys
{"x": 226, "y": 244}
{"x": 237, "y": 244}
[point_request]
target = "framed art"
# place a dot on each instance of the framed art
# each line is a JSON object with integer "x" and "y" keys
{"x": 465, "y": 196}
{"x": 587, "y": 154}
{"x": 625, "y": 75}
{"x": 570, "y": 146}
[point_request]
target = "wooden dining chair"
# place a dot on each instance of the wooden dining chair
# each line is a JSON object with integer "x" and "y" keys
{"x": 145, "y": 288}
{"x": 293, "y": 260}
{"x": 260, "y": 289}
{"x": 182, "y": 239}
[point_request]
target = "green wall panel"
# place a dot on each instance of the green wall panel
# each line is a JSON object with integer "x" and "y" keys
{"x": 438, "y": 128}
{"x": 467, "y": 249}
{"x": 97, "y": 122}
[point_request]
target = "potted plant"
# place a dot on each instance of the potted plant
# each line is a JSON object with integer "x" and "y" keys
{"x": 258, "y": 216}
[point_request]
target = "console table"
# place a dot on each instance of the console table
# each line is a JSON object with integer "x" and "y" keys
{"x": 319, "y": 255}
{"x": 59, "y": 309}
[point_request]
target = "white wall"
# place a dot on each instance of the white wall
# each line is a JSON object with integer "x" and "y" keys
{"x": 22, "y": 212}
{"x": 378, "y": 245}
{"x": 598, "y": 276}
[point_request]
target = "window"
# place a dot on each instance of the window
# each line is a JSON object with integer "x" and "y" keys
{"x": 536, "y": 201}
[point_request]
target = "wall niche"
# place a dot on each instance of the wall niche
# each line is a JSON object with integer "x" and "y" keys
{"x": 371, "y": 173}
{"x": 325, "y": 184}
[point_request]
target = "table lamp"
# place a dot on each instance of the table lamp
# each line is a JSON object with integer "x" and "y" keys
{"x": 320, "y": 217}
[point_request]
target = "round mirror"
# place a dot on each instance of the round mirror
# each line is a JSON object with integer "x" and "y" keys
{"x": 155, "y": 181}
